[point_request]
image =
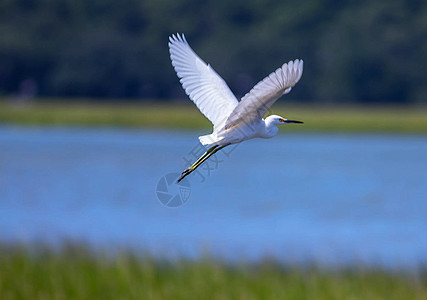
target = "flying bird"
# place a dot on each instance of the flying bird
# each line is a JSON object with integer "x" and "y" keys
{"x": 233, "y": 121}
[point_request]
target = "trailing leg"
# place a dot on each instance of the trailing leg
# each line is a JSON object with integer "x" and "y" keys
{"x": 211, "y": 151}
{"x": 197, "y": 163}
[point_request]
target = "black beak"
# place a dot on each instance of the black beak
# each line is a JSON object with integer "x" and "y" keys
{"x": 294, "y": 121}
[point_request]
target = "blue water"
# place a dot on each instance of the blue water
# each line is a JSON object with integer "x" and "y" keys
{"x": 333, "y": 199}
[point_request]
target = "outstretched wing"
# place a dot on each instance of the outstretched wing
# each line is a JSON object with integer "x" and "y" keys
{"x": 201, "y": 83}
{"x": 256, "y": 103}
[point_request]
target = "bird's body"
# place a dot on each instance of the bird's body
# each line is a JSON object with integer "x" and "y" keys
{"x": 245, "y": 131}
{"x": 234, "y": 121}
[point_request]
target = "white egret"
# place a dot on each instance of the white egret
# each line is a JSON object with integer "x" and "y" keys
{"x": 233, "y": 121}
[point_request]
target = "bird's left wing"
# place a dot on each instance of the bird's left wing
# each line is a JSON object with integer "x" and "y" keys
{"x": 201, "y": 83}
{"x": 256, "y": 103}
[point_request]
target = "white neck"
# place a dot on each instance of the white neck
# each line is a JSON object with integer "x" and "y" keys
{"x": 270, "y": 129}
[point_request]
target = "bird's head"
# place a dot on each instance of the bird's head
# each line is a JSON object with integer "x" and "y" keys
{"x": 278, "y": 120}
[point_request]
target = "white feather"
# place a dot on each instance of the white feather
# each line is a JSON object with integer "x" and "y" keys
{"x": 202, "y": 84}
{"x": 256, "y": 103}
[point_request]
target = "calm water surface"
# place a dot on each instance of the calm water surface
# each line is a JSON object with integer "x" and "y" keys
{"x": 329, "y": 198}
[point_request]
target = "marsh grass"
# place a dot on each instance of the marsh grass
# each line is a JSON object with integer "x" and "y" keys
{"x": 185, "y": 115}
{"x": 78, "y": 273}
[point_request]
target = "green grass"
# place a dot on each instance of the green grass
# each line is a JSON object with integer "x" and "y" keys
{"x": 184, "y": 115}
{"x": 76, "y": 273}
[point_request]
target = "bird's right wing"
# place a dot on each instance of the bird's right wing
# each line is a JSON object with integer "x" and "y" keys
{"x": 201, "y": 83}
{"x": 256, "y": 103}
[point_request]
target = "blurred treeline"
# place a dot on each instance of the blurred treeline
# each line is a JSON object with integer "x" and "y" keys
{"x": 354, "y": 51}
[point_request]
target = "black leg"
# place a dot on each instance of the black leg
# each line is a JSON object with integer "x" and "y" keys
{"x": 211, "y": 151}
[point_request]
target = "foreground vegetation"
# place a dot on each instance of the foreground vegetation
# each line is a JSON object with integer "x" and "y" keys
{"x": 184, "y": 115}
{"x": 77, "y": 273}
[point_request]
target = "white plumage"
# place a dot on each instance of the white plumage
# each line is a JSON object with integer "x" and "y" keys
{"x": 233, "y": 121}
{"x": 201, "y": 83}
{"x": 256, "y": 103}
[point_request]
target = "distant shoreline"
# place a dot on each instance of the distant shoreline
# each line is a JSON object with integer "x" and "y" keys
{"x": 176, "y": 115}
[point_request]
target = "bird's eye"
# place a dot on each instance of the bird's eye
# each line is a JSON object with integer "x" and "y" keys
{"x": 282, "y": 120}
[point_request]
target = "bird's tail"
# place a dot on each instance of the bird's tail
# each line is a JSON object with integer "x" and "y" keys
{"x": 209, "y": 140}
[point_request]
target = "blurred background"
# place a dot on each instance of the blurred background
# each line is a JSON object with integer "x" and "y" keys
{"x": 370, "y": 51}
{"x": 93, "y": 122}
